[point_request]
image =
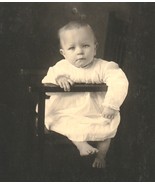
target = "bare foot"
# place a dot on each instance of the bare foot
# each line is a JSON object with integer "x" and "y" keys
{"x": 99, "y": 161}
{"x": 103, "y": 147}
{"x": 84, "y": 148}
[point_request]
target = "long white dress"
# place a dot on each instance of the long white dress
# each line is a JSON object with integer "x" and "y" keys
{"x": 78, "y": 115}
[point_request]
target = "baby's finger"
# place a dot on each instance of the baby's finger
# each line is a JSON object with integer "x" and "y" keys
{"x": 70, "y": 81}
{"x": 61, "y": 84}
{"x": 110, "y": 116}
{"x": 107, "y": 116}
{"x": 66, "y": 86}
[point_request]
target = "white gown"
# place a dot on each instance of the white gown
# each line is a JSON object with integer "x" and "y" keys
{"x": 79, "y": 115}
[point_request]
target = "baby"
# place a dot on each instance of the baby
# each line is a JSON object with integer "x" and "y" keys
{"x": 85, "y": 116}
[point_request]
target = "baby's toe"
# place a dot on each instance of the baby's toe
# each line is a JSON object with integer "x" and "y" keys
{"x": 96, "y": 150}
{"x": 94, "y": 165}
{"x": 98, "y": 163}
{"x": 90, "y": 152}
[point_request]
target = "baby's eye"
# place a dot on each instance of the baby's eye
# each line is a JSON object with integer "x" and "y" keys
{"x": 85, "y": 45}
{"x": 71, "y": 48}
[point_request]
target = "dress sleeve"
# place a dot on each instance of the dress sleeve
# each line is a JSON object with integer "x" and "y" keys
{"x": 117, "y": 83}
{"x": 53, "y": 72}
{"x": 50, "y": 76}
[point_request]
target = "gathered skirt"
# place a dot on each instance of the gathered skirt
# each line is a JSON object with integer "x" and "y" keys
{"x": 78, "y": 116}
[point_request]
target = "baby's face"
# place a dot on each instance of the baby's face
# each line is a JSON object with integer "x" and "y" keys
{"x": 78, "y": 46}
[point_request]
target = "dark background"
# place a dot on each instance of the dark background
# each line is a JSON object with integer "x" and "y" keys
{"x": 29, "y": 45}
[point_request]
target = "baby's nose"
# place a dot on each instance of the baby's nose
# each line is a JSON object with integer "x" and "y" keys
{"x": 79, "y": 50}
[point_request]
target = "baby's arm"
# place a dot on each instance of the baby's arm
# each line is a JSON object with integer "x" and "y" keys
{"x": 64, "y": 82}
{"x": 117, "y": 84}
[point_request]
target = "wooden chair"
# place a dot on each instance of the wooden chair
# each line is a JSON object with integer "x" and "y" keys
{"x": 41, "y": 91}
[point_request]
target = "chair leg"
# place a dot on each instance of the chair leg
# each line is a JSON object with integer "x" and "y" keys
{"x": 41, "y": 116}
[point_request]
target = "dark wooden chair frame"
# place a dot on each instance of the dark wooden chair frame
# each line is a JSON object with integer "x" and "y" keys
{"x": 44, "y": 88}
{"x": 41, "y": 90}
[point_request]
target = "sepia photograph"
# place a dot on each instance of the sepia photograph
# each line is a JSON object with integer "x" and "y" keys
{"x": 77, "y": 95}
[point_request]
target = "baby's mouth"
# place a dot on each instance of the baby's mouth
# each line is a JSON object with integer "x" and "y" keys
{"x": 80, "y": 59}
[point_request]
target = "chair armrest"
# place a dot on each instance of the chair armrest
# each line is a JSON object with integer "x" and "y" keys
{"x": 77, "y": 87}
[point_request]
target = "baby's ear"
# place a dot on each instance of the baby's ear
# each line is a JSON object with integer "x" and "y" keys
{"x": 96, "y": 44}
{"x": 62, "y": 52}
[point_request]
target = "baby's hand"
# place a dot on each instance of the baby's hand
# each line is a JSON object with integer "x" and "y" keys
{"x": 109, "y": 113}
{"x": 64, "y": 82}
